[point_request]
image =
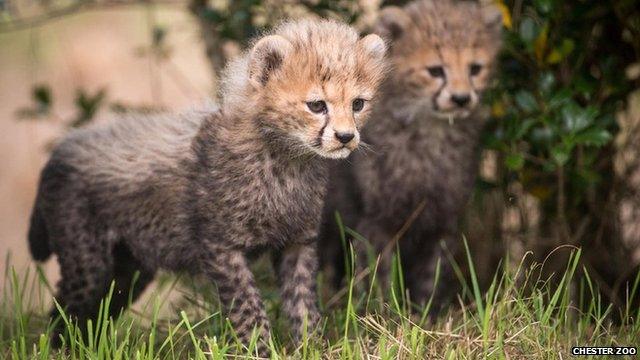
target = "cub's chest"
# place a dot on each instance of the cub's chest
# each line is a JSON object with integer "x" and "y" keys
{"x": 279, "y": 208}
{"x": 407, "y": 159}
{"x": 291, "y": 199}
{"x": 426, "y": 160}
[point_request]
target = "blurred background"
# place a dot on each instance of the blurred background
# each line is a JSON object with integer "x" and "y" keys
{"x": 78, "y": 68}
{"x": 561, "y": 165}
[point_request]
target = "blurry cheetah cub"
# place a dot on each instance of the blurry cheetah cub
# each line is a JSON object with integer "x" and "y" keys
{"x": 196, "y": 192}
{"x": 425, "y": 133}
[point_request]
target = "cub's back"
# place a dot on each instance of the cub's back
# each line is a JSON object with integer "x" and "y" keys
{"x": 130, "y": 148}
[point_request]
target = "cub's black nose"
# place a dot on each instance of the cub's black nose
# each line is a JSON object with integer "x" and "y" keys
{"x": 461, "y": 99}
{"x": 344, "y": 137}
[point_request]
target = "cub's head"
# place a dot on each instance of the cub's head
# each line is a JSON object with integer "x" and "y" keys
{"x": 309, "y": 85}
{"x": 442, "y": 53}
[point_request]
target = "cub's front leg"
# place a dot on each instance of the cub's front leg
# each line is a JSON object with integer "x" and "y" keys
{"x": 423, "y": 266}
{"x": 297, "y": 269}
{"x": 239, "y": 295}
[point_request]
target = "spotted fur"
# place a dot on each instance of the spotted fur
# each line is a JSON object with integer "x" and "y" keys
{"x": 197, "y": 192}
{"x": 425, "y": 144}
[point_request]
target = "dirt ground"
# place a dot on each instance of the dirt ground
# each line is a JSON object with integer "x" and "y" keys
{"x": 100, "y": 49}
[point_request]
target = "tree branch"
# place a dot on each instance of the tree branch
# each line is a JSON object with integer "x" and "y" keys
{"x": 76, "y": 7}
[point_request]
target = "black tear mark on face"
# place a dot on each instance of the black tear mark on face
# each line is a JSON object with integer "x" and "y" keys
{"x": 318, "y": 141}
{"x": 434, "y": 98}
{"x": 272, "y": 62}
{"x": 326, "y": 76}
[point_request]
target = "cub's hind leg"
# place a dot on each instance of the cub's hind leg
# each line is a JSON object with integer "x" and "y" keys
{"x": 86, "y": 267}
{"x": 130, "y": 277}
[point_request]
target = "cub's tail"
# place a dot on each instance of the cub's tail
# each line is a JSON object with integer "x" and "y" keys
{"x": 38, "y": 236}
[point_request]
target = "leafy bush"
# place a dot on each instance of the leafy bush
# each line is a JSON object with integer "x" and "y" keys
{"x": 561, "y": 81}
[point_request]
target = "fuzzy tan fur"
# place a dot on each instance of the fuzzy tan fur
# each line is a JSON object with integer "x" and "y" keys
{"x": 197, "y": 192}
{"x": 425, "y": 145}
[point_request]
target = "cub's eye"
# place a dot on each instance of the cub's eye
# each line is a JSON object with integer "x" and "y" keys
{"x": 357, "y": 105}
{"x": 318, "y": 107}
{"x": 475, "y": 69}
{"x": 436, "y": 71}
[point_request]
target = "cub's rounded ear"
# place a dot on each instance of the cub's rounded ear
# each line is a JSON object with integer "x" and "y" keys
{"x": 373, "y": 45}
{"x": 492, "y": 16}
{"x": 266, "y": 57}
{"x": 391, "y": 23}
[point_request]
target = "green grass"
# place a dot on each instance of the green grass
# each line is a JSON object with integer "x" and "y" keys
{"x": 519, "y": 316}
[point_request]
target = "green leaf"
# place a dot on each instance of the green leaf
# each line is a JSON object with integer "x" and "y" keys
{"x": 540, "y": 44}
{"x": 546, "y": 81}
{"x": 526, "y": 101}
{"x": 212, "y": 15}
{"x": 560, "y": 155}
{"x": 561, "y": 52}
{"x": 528, "y": 30}
{"x": 576, "y": 118}
{"x": 541, "y": 135}
{"x": 586, "y": 86}
{"x": 87, "y": 106}
{"x": 589, "y": 176}
{"x": 560, "y": 98}
{"x": 554, "y": 57}
{"x": 159, "y": 36}
{"x": 544, "y": 5}
{"x": 567, "y": 47}
{"x": 42, "y": 96}
{"x": 523, "y": 128}
{"x": 514, "y": 161}
{"x": 594, "y": 137}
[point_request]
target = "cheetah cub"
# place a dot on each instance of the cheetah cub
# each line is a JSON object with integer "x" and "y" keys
{"x": 425, "y": 135}
{"x": 199, "y": 191}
